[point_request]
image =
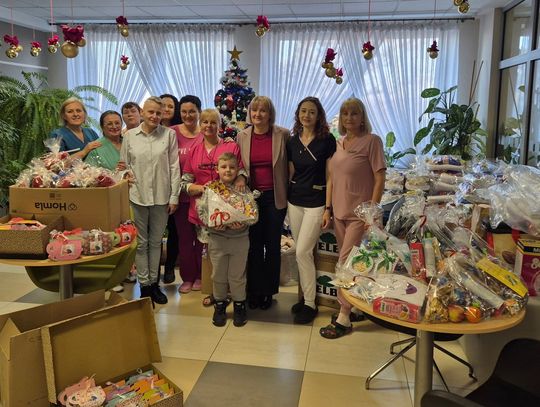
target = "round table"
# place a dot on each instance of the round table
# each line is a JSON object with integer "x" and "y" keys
{"x": 65, "y": 287}
{"x": 423, "y": 373}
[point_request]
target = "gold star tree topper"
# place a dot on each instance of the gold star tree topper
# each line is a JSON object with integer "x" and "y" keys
{"x": 235, "y": 54}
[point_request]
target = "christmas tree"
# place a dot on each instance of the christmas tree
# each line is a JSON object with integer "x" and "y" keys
{"x": 232, "y": 101}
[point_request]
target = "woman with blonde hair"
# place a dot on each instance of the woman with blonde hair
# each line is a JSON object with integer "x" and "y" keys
{"x": 264, "y": 156}
{"x": 357, "y": 174}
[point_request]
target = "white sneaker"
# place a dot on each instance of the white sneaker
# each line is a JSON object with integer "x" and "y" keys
{"x": 118, "y": 289}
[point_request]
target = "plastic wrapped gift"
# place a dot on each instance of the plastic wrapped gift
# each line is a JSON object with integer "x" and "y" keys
{"x": 222, "y": 205}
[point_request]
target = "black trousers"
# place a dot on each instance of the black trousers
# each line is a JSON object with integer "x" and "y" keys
{"x": 172, "y": 244}
{"x": 264, "y": 257}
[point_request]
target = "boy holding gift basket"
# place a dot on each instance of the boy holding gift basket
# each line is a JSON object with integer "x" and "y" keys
{"x": 227, "y": 213}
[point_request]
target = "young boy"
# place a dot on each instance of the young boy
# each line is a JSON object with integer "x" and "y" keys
{"x": 228, "y": 249}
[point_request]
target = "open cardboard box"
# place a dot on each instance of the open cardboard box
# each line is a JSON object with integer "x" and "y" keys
{"x": 28, "y": 244}
{"x": 22, "y": 370}
{"x": 88, "y": 208}
{"x": 325, "y": 293}
{"x": 111, "y": 344}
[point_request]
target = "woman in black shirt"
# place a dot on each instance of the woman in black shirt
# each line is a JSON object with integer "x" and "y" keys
{"x": 308, "y": 152}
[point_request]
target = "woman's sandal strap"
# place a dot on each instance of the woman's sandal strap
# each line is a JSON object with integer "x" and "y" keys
{"x": 335, "y": 330}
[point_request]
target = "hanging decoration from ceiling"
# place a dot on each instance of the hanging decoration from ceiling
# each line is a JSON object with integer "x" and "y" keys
{"x": 124, "y": 62}
{"x": 262, "y": 23}
{"x": 122, "y": 23}
{"x": 73, "y": 39}
{"x": 463, "y": 6}
{"x": 12, "y": 41}
{"x": 36, "y": 48}
{"x": 328, "y": 66}
{"x": 432, "y": 50}
{"x": 367, "y": 48}
{"x": 53, "y": 42}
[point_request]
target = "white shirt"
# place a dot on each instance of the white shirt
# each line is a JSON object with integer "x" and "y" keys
{"x": 153, "y": 158}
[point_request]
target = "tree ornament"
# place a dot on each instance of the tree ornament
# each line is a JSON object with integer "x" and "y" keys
{"x": 81, "y": 43}
{"x": 11, "y": 53}
{"x": 19, "y": 48}
{"x": 330, "y": 72}
{"x": 14, "y": 46}
{"x": 69, "y": 49}
{"x": 122, "y": 25}
{"x": 36, "y": 48}
{"x": 235, "y": 54}
{"x": 53, "y": 44}
{"x": 124, "y": 62}
{"x": 339, "y": 76}
{"x": 367, "y": 50}
{"x": 432, "y": 50}
{"x": 262, "y": 26}
{"x": 463, "y": 8}
{"x": 458, "y": 3}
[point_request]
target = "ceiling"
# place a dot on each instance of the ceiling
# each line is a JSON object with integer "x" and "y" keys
{"x": 36, "y": 13}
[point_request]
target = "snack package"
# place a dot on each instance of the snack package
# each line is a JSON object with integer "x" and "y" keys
{"x": 65, "y": 245}
{"x": 222, "y": 205}
{"x": 96, "y": 242}
{"x": 127, "y": 232}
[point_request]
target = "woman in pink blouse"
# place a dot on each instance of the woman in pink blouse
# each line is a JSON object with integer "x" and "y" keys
{"x": 264, "y": 157}
{"x": 357, "y": 175}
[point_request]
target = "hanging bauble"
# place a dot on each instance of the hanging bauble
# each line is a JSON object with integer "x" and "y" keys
{"x": 19, "y": 48}
{"x": 457, "y": 3}
{"x": 53, "y": 44}
{"x": 260, "y": 31}
{"x": 124, "y": 62}
{"x": 52, "y": 49}
{"x": 12, "y": 53}
{"x": 262, "y": 26}
{"x": 339, "y": 80}
{"x": 124, "y": 32}
{"x": 122, "y": 25}
{"x": 82, "y": 42}
{"x": 36, "y": 48}
{"x": 69, "y": 49}
{"x": 432, "y": 50}
{"x": 464, "y": 7}
{"x": 123, "y": 66}
{"x": 367, "y": 50}
{"x": 330, "y": 72}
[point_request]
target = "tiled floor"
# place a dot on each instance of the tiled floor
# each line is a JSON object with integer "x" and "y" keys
{"x": 269, "y": 361}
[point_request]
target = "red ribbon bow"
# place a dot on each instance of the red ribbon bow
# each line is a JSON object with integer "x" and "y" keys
{"x": 35, "y": 44}
{"x": 13, "y": 41}
{"x": 330, "y": 55}
{"x": 219, "y": 216}
{"x": 73, "y": 34}
{"x": 433, "y": 47}
{"x": 263, "y": 20}
{"x": 53, "y": 40}
{"x": 124, "y": 59}
{"x": 339, "y": 72}
{"x": 122, "y": 20}
{"x": 367, "y": 46}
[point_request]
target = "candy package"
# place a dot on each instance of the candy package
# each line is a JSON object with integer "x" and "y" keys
{"x": 65, "y": 245}
{"x": 96, "y": 242}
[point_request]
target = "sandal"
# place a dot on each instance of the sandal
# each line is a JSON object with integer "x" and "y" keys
{"x": 354, "y": 317}
{"x": 209, "y": 301}
{"x": 334, "y": 331}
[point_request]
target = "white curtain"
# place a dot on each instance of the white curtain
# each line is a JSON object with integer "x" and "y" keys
{"x": 98, "y": 64}
{"x": 182, "y": 59}
{"x": 291, "y": 57}
{"x": 391, "y": 82}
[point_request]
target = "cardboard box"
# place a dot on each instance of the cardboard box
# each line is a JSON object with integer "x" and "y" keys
{"x": 528, "y": 264}
{"x": 112, "y": 344}
{"x": 325, "y": 293}
{"x": 28, "y": 244}
{"x": 327, "y": 245}
{"x": 22, "y": 370}
{"x": 206, "y": 277}
{"x": 88, "y": 208}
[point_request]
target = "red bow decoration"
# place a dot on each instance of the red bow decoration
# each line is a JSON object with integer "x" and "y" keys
{"x": 121, "y": 20}
{"x": 13, "y": 41}
{"x": 433, "y": 47}
{"x": 339, "y": 72}
{"x": 53, "y": 40}
{"x": 263, "y": 20}
{"x": 73, "y": 34}
{"x": 330, "y": 55}
{"x": 124, "y": 59}
{"x": 219, "y": 216}
{"x": 367, "y": 46}
{"x": 35, "y": 44}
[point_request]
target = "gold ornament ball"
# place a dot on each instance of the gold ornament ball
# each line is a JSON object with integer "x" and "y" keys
{"x": 82, "y": 42}
{"x": 464, "y": 7}
{"x": 367, "y": 54}
{"x": 18, "y": 48}
{"x": 433, "y": 54}
{"x": 330, "y": 72}
{"x": 339, "y": 80}
{"x": 52, "y": 49}
{"x": 124, "y": 32}
{"x": 69, "y": 49}
{"x": 35, "y": 51}
{"x": 458, "y": 3}
{"x": 12, "y": 52}
{"x": 260, "y": 31}
{"x": 123, "y": 66}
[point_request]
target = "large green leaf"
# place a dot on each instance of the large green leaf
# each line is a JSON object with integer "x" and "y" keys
{"x": 430, "y": 93}
{"x": 420, "y": 135}
{"x": 390, "y": 140}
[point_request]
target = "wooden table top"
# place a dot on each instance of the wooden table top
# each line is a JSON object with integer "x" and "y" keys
{"x": 491, "y": 325}
{"x": 49, "y": 263}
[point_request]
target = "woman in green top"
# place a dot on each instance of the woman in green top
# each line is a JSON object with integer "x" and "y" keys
{"x": 108, "y": 155}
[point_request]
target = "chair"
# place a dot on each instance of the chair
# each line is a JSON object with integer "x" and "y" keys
{"x": 411, "y": 342}
{"x": 514, "y": 381}
{"x": 88, "y": 277}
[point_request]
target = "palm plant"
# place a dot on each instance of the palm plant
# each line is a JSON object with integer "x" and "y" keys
{"x": 30, "y": 111}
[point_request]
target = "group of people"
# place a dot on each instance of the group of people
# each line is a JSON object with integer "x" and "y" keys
{"x": 173, "y": 149}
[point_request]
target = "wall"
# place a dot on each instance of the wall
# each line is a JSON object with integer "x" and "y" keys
{"x": 468, "y": 47}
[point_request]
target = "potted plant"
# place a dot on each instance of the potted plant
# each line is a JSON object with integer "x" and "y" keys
{"x": 452, "y": 129}
{"x": 392, "y": 157}
{"x": 30, "y": 111}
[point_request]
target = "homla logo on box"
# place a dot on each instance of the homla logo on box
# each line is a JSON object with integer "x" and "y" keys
{"x": 59, "y": 206}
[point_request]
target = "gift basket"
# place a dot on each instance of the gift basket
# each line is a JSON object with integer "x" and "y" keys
{"x": 222, "y": 205}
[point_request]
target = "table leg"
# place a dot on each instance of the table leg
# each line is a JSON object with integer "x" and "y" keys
{"x": 423, "y": 373}
{"x": 65, "y": 287}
